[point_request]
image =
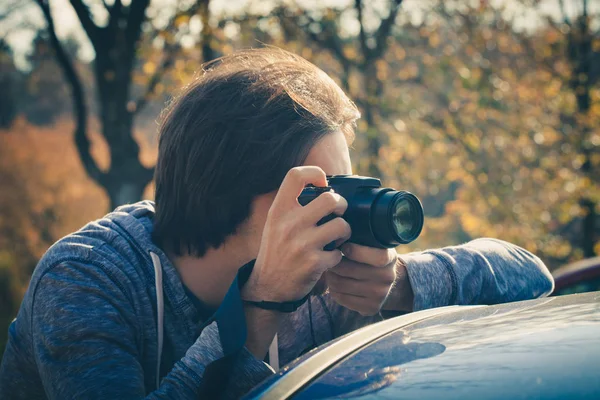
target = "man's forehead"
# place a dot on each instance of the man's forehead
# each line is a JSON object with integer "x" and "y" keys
{"x": 331, "y": 154}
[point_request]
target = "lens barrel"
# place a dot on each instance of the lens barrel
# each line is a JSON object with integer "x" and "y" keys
{"x": 396, "y": 217}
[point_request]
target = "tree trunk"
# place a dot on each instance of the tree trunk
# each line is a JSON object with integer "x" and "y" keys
{"x": 581, "y": 54}
{"x": 208, "y": 53}
{"x": 115, "y": 47}
{"x": 589, "y": 228}
{"x": 373, "y": 90}
{"x": 127, "y": 178}
{"x": 124, "y": 192}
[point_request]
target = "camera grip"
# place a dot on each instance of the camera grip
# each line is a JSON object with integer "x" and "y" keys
{"x": 309, "y": 194}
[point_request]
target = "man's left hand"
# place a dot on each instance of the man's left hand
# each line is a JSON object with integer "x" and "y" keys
{"x": 363, "y": 279}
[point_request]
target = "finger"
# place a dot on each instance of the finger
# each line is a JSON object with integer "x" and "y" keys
{"x": 343, "y": 285}
{"x": 364, "y": 306}
{"x": 293, "y": 184}
{"x": 336, "y": 229}
{"x": 329, "y": 259}
{"x": 355, "y": 287}
{"x": 325, "y": 204}
{"x": 352, "y": 269}
{"x": 369, "y": 255}
{"x": 355, "y": 270}
{"x": 340, "y": 242}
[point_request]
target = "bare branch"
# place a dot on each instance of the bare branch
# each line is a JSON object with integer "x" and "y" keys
{"x": 381, "y": 35}
{"x": 11, "y": 8}
{"x": 166, "y": 64}
{"x": 326, "y": 39}
{"x": 169, "y": 53}
{"x": 82, "y": 142}
{"x": 566, "y": 19}
{"x": 83, "y": 13}
{"x": 384, "y": 30}
{"x": 136, "y": 15}
{"x": 115, "y": 10}
{"x": 207, "y": 51}
{"x": 362, "y": 36}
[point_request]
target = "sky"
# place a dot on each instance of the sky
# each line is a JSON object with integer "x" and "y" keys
{"x": 18, "y": 32}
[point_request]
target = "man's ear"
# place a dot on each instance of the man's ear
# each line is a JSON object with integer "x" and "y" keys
{"x": 258, "y": 214}
{"x": 261, "y": 205}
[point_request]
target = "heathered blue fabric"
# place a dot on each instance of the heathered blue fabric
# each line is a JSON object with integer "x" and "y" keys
{"x": 87, "y": 326}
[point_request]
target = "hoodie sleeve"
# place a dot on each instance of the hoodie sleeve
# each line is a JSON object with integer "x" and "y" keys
{"x": 87, "y": 344}
{"x": 483, "y": 271}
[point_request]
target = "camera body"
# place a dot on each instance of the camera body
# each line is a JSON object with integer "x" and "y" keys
{"x": 379, "y": 217}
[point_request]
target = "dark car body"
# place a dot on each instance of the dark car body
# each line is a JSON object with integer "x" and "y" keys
{"x": 538, "y": 349}
{"x": 578, "y": 277}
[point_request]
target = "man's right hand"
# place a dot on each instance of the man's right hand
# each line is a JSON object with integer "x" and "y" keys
{"x": 291, "y": 258}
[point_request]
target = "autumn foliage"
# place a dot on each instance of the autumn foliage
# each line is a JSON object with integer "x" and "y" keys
{"x": 45, "y": 195}
{"x": 495, "y": 127}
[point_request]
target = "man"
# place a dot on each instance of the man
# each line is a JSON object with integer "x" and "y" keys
{"x": 141, "y": 303}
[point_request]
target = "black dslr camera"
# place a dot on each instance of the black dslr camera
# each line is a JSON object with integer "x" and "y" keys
{"x": 379, "y": 217}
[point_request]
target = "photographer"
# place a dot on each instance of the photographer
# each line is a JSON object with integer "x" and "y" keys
{"x": 188, "y": 297}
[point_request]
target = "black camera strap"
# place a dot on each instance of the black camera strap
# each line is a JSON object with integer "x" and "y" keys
{"x": 284, "y": 306}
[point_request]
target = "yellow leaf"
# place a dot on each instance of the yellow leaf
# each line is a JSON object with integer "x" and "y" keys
{"x": 182, "y": 19}
{"x": 149, "y": 68}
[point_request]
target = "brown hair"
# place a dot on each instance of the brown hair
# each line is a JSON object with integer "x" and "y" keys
{"x": 233, "y": 134}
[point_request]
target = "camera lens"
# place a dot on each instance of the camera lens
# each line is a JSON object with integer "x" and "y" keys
{"x": 401, "y": 217}
{"x": 406, "y": 217}
{"x": 396, "y": 218}
{"x": 380, "y": 217}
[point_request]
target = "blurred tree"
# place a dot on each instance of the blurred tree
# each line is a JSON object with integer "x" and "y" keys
{"x": 479, "y": 117}
{"x": 10, "y": 296}
{"x": 542, "y": 86}
{"x": 360, "y": 51}
{"x": 44, "y": 87}
{"x": 116, "y": 45}
{"x": 45, "y": 195}
{"x": 503, "y": 102}
{"x": 582, "y": 48}
{"x": 10, "y": 79}
{"x": 465, "y": 115}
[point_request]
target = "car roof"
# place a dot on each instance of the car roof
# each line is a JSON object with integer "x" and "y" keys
{"x": 545, "y": 348}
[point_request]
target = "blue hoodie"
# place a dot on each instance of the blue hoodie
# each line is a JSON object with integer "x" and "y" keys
{"x": 106, "y": 315}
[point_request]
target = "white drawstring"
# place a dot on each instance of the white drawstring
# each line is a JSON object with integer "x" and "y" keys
{"x": 160, "y": 309}
{"x": 274, "y": 354}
